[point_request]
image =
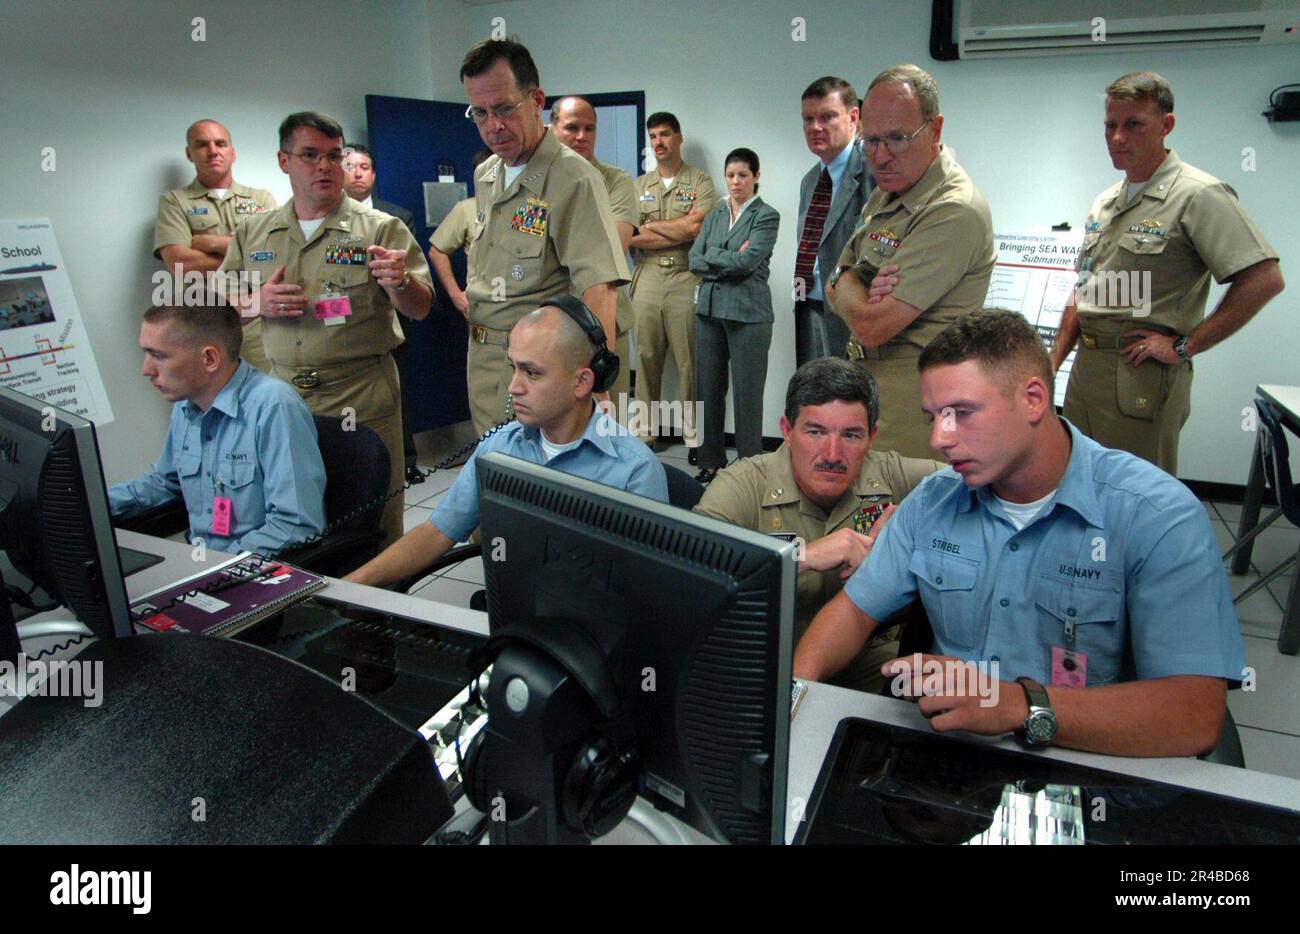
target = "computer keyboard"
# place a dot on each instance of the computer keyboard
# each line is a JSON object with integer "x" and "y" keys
{"x": 408, "y": 668}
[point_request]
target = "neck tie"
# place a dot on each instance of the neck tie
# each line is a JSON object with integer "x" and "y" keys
{"x": 811, "y": 238}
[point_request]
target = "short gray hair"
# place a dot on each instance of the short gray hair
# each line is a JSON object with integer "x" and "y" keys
{"x": 919, "y": 80}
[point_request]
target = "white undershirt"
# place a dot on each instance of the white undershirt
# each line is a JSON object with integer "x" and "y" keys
{"x": 552, "y": 450}
{"x": 218, "y": 193}
{"x": 1131, "y": 191}
{"x": 513, "y": 172}
{"x": 369, "y": 202}
{"x": 1021, "y": 514}
{"x": 310, "y": 227}
{"x": 667, "y": 182}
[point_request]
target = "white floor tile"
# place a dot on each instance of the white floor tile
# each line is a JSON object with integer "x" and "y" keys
{"x": 1270, "y": 752}
{"x": 414, "y": 516}
{"x": 1274, "y": 704}
{"x": 471, "y": 572}
{"x": 421, "y": 494}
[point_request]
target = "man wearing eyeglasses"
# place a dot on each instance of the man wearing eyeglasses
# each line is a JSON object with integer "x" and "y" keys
{"x": 542, "y": 228}
{"x": 332, "y": 272}
{"x": 195, "y": 223}
{"x": 927, "y": 218}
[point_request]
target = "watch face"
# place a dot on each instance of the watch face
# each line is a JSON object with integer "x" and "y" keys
{"x": 1041, "y": 728}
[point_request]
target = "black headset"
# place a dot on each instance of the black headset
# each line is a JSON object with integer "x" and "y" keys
{"x": 605, "y": 363}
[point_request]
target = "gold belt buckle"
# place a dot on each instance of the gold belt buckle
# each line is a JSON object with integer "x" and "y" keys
{"x": 308, "y": 380}
{"x": 667, "y": 261}
{"x": 1090, "y": 342}
{"x": 854, "y": 351}
{"x": 479, "y": 333}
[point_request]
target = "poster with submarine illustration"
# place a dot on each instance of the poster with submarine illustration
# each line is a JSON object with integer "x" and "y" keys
{"x": 44, "y": 351}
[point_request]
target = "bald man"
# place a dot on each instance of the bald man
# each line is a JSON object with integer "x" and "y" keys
{"x": 573, "y": 120}
{"x": 196, "y": 223}
{"x": 558, "y": 424}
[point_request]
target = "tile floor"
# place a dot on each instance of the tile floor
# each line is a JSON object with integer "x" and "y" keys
{"x": 1267, "y": 718}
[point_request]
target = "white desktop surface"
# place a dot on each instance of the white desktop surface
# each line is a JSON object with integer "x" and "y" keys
{"x": 814, "y": 725}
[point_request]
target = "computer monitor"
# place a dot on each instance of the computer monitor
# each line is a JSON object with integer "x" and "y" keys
{"x": 55, "y": 524}
{"x": 639, "y": 648}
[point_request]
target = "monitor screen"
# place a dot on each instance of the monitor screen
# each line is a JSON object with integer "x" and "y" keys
{"x": 693, "y": 622}
{"x": 55, "y": 525}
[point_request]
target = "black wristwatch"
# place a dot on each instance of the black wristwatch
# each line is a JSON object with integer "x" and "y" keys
{"x": 1040, "y": 727}
{"x": 1180, "y": 348}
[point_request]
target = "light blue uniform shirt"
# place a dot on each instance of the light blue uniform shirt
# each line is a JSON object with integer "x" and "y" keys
{"x": 606, "y": 454}
{"x": 255, "y": 445}
{"x": 1121, "y": 566}
{"x": 836, "y": 171}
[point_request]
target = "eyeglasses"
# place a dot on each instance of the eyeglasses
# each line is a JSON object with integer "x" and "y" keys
{"x": 501, "y": 112}
{"x": 312, "y": 157}
{"x": 896, "y": 143}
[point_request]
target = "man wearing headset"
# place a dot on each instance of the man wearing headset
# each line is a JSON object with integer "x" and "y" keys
{"x": 555, "y": 373}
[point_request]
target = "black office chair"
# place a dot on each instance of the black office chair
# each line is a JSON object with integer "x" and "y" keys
{"x": 1277, "y": 473}
{"x": 918, "y": 636}
{"x": 684, "y": 491}
{"x": 356, "y": 482}
{"x": 202, "y": 740}
{"x": 356, "y": 488}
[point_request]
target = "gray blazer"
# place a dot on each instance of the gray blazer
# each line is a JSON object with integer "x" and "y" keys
{"x": 846, "y": 210}
{"x": 734, "y": 284}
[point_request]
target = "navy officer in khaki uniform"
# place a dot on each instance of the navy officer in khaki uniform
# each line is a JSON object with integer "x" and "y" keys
{"x": 927, "y": 218}
{"x": 332, "y": 274}
{"x": 1151, "y": 243}
{"x": 673, "y": 199}
{"x": 573, "y": 121}
{"x": 828, "y": 488}
{"x": 543, "y": 225}
{"x": 195, "y": 223}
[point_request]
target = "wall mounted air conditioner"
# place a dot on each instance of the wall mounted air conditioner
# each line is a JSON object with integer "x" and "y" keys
{"x": 1015, "y": 28}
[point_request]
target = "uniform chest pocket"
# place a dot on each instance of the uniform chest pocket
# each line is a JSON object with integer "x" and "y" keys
{"x": 1143, "y": 244}
{"x": 188, "y": 465}
{"x": 234, "y": 475}
{"x": 947, "y": 583}
{"x": 344, "y": 275}
{"x": 1083, "y": 618}
{"x": 525, "y": 246}
{"x": 203, "y": 223}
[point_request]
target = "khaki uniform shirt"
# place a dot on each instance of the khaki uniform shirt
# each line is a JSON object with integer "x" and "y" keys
{"x": 454, "y": 232}
{"x": 940, "y": 233}
{"x": 549, "y": 233}
{"x": 1184, "y": 227}
{"x": 691, "y": 190}
{"x": 186, "y": 212}
{"x": 622, "y": 207}
{"x": 759, "y": 493}
{"x": 335, "y": 255}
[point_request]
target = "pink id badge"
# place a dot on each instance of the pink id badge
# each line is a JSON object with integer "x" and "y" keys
{"x": 332, "y": 308}
{"x": 1069, "y": 669}
{"x": 222, "y": 515}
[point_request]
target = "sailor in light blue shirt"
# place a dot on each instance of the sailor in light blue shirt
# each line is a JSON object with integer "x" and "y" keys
{"x": 558, "y": 425}
{"x": 238, "y": 439}
{"x": 1090, "y": 577}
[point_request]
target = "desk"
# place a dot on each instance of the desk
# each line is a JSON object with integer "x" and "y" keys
{"x": 820, "y": 712}
{"x": 1287, "y": 400}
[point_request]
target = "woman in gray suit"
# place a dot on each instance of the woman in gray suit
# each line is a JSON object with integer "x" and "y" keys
{"x": 733, "y": 312}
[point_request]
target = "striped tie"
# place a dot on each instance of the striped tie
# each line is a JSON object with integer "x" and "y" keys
{"x": 818, "y": 208}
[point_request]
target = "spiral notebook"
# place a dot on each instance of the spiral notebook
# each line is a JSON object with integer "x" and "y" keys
{"x": 225, "y": 599}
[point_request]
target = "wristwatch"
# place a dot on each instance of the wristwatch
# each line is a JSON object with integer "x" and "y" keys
{"x": 1180, "y": 348}
{"x": 406, "y": 280}
{"x": 835, "y": 276}
{"x": 1040, "y": 727}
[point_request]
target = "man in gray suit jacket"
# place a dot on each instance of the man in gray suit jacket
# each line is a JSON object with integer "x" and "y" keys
{"x": 835, "y": 189}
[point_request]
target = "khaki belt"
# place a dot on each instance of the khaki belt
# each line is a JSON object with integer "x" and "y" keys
{"x": 671, "y": 261}
{"x": 856, "y": 351}
{"x": 1099, "y": 342}
{"x": 481, "y": 335}
{"x": 308, "y": 377}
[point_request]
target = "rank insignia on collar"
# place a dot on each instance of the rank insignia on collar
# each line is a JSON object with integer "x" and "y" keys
{"x": 865, "y": 517}
{"x": 532, "y": 217}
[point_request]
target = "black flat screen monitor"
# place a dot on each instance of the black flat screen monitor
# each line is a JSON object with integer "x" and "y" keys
{"x": 693, "y": 618}
{"x": 55, "y": 524}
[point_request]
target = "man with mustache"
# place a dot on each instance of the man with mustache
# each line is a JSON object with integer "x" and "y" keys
{"x": 828, "y": 489}
{"x": 195, "y": 223}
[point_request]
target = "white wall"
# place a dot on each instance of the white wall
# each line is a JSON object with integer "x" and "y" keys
{"x": 113, "y": 86}
{"x": 1028, "y": 131}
